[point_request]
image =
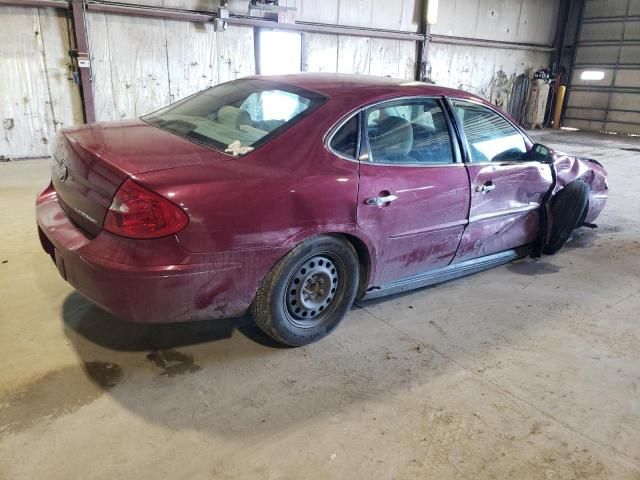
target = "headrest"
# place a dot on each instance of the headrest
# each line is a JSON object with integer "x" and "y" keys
{"x": 394, "y": 137}
{"x": 233, "y": 116}
{"x": 438, "y": 121}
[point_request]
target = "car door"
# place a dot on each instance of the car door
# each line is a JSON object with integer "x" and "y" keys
{"x": 413, "y": 196}
{"x": 506, "y": 185}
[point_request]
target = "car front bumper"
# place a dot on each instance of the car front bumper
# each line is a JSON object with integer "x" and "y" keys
{"x": 147, "y": 281}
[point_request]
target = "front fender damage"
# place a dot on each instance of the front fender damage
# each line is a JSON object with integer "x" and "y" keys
{"x": 564, "y": 170}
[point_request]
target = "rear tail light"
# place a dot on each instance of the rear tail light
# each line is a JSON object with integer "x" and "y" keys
{"x": 136, "y": 212}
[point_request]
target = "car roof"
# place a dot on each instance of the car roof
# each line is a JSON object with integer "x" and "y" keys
{"x": 364, "y": 88}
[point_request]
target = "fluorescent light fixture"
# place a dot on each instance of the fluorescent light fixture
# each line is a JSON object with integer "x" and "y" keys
{"x": 592, "y": 75}
{"x": 432, "y": 12}
{"x": 280, "y": 52}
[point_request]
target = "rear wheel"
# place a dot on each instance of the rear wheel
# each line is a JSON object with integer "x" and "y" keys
{"x": 307, "y": 293}
{"x": 568, "y": 209}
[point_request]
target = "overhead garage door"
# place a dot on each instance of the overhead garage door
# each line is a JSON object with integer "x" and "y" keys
{"x": 604, "y": 89}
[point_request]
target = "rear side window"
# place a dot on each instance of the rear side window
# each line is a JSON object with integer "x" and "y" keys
{"x": 409, "y": 132}
{"x": 490, "y": 137}
{"x": 345, "y": 140}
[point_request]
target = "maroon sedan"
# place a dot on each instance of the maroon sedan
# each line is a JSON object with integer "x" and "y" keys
{"x": 292, "y": 196}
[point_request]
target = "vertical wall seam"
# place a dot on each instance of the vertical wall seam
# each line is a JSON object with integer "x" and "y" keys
{"x": 113, "y": 89}
{"x": 475, "y": 29}
{"x": 166, "y": 54}
{"x": 46, "y": 72}
{"x": 519, "y": 18}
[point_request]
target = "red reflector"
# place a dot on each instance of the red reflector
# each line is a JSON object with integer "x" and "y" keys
{"x": 136, "y": 212}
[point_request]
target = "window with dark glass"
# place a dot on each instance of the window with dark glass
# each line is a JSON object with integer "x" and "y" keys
{"x": 409, "y": 132}
{"x": 345, "y": 140}
{"x": 490, "y": 137}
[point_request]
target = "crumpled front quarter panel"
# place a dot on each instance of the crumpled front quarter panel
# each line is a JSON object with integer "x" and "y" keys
{"x": 570, "y": 168}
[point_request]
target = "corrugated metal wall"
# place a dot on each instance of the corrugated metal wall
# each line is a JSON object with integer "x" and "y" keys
{"x": 141, "y": 64}
{"x": 609, "y": 42}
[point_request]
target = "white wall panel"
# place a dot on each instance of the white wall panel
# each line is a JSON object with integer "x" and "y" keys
{"x": 191, "y": 58}
{"x": 64, "y": 93}
{"x": 235, "y": 56}
{"x": 37, "y": 95}
{"x": 361, "y": 55}
{"x": 391, "y": 15}
{"x": 354, "y": 54}
{"x": 319, "y": 52}
{"x": 476, "y": 69}
{"x": 392, "y": 58}
{"x": 198, "y": 57}
{"x": 325, "y": 11}
{"x": 130, "y": 71}
{"x": 142, "y": 64}
{"x": 522, "y": 21}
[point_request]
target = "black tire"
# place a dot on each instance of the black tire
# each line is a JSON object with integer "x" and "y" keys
{"x": 568, "y": 210}
{"x": 306, "y": 294}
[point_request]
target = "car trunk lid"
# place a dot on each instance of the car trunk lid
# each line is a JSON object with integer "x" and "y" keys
{"x": 90, "y": 163}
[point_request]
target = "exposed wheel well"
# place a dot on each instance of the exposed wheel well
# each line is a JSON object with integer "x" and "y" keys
{"x": 364, "y": 259}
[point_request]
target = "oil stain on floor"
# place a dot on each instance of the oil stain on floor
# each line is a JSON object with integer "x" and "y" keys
{"x": 56, "y": 393}
{"x": 172, "y": 362}
{"x": 533, "y": 267}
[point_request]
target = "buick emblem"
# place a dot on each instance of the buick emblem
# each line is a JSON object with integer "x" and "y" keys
{"x": 62, "y": 171}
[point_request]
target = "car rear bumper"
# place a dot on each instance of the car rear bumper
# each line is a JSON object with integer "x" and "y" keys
{"x": 133, "y": 279}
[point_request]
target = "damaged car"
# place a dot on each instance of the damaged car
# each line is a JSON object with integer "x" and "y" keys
{"x": 290, "y": 197}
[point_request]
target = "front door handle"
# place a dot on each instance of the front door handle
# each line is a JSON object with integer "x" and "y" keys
{"x": 487, "y": 187}
{"x": 380, "y": 201}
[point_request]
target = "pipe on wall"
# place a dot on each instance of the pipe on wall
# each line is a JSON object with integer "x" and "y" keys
{"x": 476, "y": 42}
{"x": 36, "y": 3}
{"x": 422, "y": 48}
{"x": 83, "y": 60}
{"x": 186, "y": 15}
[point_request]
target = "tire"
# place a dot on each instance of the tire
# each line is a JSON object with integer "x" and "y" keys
{"x": 568, "y": 209}
{"x": 328, "y": 268}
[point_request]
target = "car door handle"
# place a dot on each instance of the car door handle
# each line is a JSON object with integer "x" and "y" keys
{"x": 487, "y": 187}
{"x": 380, "y": 201}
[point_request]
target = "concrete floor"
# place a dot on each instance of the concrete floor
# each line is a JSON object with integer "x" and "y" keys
{"x": 528, "y": 371}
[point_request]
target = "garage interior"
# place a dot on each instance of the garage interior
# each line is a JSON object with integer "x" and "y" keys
{"x": 528, "y": 371}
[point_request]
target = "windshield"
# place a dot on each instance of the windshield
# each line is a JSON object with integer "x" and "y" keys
{"x": 238, "y": 116}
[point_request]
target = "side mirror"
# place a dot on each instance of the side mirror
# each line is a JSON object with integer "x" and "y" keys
{"x": 540, "y": 153}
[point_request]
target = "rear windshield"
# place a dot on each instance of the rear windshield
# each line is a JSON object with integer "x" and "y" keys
{"x": 238, "y": 116}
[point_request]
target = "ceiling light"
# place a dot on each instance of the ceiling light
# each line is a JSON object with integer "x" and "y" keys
{"x": 592, "y": 75}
